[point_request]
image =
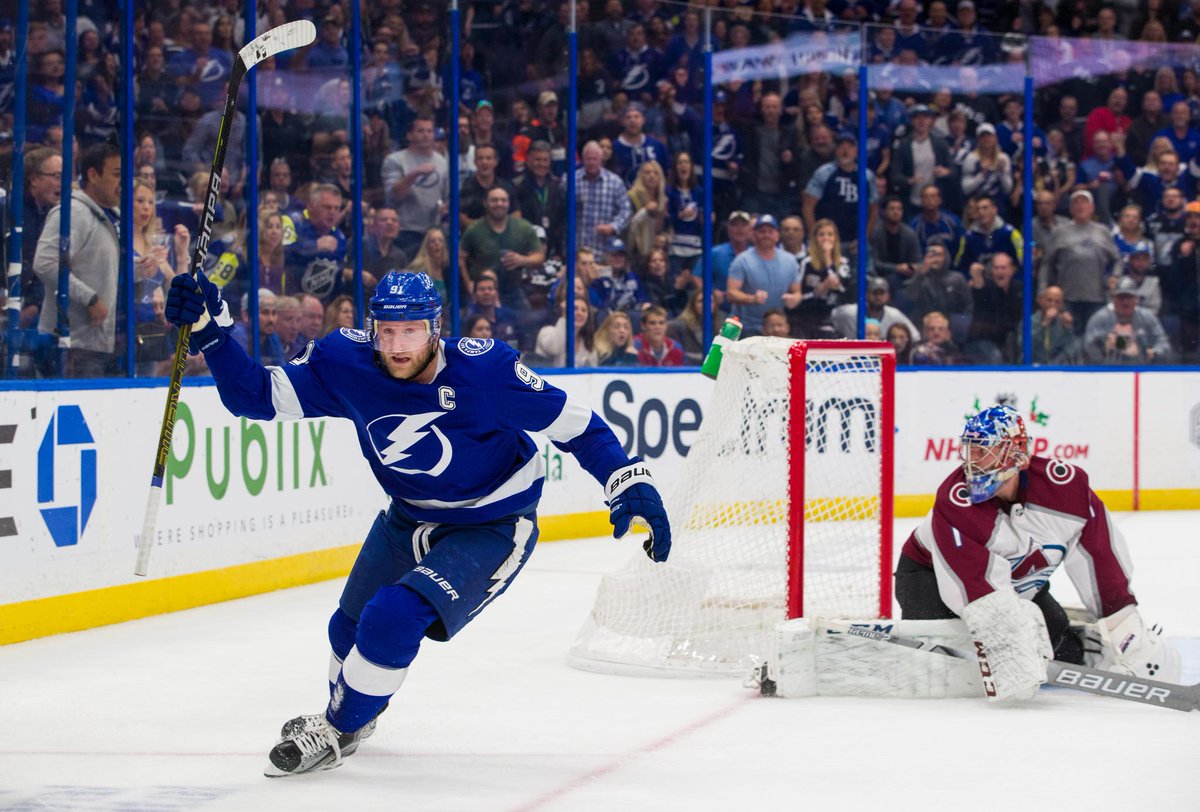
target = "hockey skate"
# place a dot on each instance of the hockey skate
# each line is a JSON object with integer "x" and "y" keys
{"x": 313, "y": 745}
{"x": 294, "y": 727}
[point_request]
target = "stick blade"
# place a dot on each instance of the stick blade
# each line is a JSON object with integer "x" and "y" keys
{"x": 285, "y": 37}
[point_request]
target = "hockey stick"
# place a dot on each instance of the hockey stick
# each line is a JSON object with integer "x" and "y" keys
{"x": 1066, "y": 675}
{"x": 281, "y": 38}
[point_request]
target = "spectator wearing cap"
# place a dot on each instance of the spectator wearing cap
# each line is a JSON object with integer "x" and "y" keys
{"x": 1081, "y": 258}
{"x": 760, "y": 278}
{"x": 328, "y": 54}
{"x": 604, "y": 209}
{"x": 1140, "y": 268}
{"x": 921, "y": 158}
{"x": 845, "y": 317}
{"x": 767, "y": 172}
{"x": 739, "y": 231}
{"x": 988, "y": 234}
{"x": 416, "y": 182}
{"x": 483, "y": 126}
{"x": 633, "y": 147}
{"x": 504, "y": 243}
{"x": 935, "y": 222}
{"x": 987, "y": 170}
{"x": 548, "y": 128}
{"x": 1110, "y": 119}
{"x": 637, "y": 67}
{"x": 998, "y": 313}
{"x": 832, "y": 194}
{"x": 895, "y": 249}
{"x": 966, "y": 45}
{"x": 617, "y": 286}
{"x": 1124, "y": 332}
{"x": 541, "y": 198}
{"x": 1167, "y": 225}
{"x": 473, "y": 199}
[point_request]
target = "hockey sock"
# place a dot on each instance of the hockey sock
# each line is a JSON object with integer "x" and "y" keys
{"x": 389, "y": 635}
{"x": 342, "y": 629}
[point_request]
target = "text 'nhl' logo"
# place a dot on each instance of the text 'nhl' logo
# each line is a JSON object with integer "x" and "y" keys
{"x": 411, "y": 444}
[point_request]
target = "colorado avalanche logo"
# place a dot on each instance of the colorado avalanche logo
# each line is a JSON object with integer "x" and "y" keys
{"x": 1059, "y": 472}
{"x": 959, "y": 495}
{"x": 475, "y": 346}
{"x": 411, "y": 440}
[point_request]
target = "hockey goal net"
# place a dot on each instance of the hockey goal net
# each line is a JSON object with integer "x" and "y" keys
{"x": 784, "y": 510}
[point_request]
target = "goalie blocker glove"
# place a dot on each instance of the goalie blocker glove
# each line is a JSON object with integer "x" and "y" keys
{"x": 630, "y": 494}
{"x": 1011, "y": 643}
{"x": 197, "y": 301}
{"x": 1122, "y": 643}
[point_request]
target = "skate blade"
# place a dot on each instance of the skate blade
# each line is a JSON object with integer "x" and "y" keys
{"x": 271, "y": 771}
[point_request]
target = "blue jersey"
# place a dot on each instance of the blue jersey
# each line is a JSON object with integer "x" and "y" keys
{"x": 454, "y": 450}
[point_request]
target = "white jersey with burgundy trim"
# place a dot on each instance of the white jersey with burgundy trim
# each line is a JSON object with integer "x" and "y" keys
{"x": 1056, "y": 520}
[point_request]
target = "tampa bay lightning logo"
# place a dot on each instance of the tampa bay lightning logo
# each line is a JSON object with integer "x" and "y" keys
{"x": 410, "y": 443}
{"x": 475, "y": 346}
{"x": 433, "y": 180}
{"x": 360, "y": 336}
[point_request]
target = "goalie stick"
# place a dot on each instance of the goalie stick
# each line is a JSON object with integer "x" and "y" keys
{"x": 1065, "y": 675}
{"x": 281, "y": 38}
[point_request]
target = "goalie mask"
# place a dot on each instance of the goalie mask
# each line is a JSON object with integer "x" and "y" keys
{"x": 405, "y": 314}
{"x": 993, "y": 449}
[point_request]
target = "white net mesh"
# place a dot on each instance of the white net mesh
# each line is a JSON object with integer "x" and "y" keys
{"x": 713, "y": 606}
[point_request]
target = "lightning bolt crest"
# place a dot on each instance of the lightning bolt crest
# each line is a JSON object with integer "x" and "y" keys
{"x": 405, "y": 436}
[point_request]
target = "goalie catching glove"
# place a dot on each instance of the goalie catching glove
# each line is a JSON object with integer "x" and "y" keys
{"x": 631, "y": 495}
{"x": 197, "y": 301}
{"x": 1122, "y": 643}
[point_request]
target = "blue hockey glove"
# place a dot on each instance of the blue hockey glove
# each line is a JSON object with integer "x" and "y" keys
{"x": 197, "y": 301}
{"x": 632, "y": 495}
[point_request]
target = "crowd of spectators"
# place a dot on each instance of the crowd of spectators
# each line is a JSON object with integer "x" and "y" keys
{"x": 1116, "y": 159}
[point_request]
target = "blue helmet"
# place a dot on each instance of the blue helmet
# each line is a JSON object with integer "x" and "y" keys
{"x": 993, "y": 449}
{"x": 401, "y": 296}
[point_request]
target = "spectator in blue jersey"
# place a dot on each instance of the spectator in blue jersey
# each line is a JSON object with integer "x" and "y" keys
{"x": 616, "y": 284}
{"x": 633, "y": 147}
{"x": 687, "y": 45}
{"x": 921, "y": 158}
{"x": 1130, "y": 231}
{"x": 934, "y": 221}
{"x": 987, "y": 170}
{"x": 1010, "y": 133}
{"x": 328, "y": 53}
{"x": 603, "y": 205}
{"x": 200, "y": 146}
{"x": 832, "y": 194}
{"x": 1099, "y": 174}
{"x": 485, "y": 301}
{"x": 201, "y": 67}
{"x": 685, "y": 214}
{"x": 895, "y": 249}
{"x": 1146, "y": 187}
{"x": 909, "y": 35}
{"x": 314, "y": 261}
{"x": 879, "y": 144}
{"x": 771, "y": 157}
{"x": 637, "y": 67}
{"x": 1166, "y": 226}
{"x": 760, "y": 277}
{"x": 1081, "y": 259}
{"x": 989, "y": 234}
{"x": 739, "y": 233}
{"x": 726, "y": 160}
{"x": 967, "y": 44}
{"x": 1183, "y": 137}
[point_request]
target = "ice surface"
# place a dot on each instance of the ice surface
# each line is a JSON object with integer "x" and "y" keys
{"x": 177, "y": 712}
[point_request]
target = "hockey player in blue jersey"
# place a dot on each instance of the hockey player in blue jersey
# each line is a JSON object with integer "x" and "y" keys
{"x": 443, "y": 424}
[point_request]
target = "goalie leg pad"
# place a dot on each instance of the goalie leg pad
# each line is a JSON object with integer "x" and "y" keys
{"x": 811, "y": 659}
